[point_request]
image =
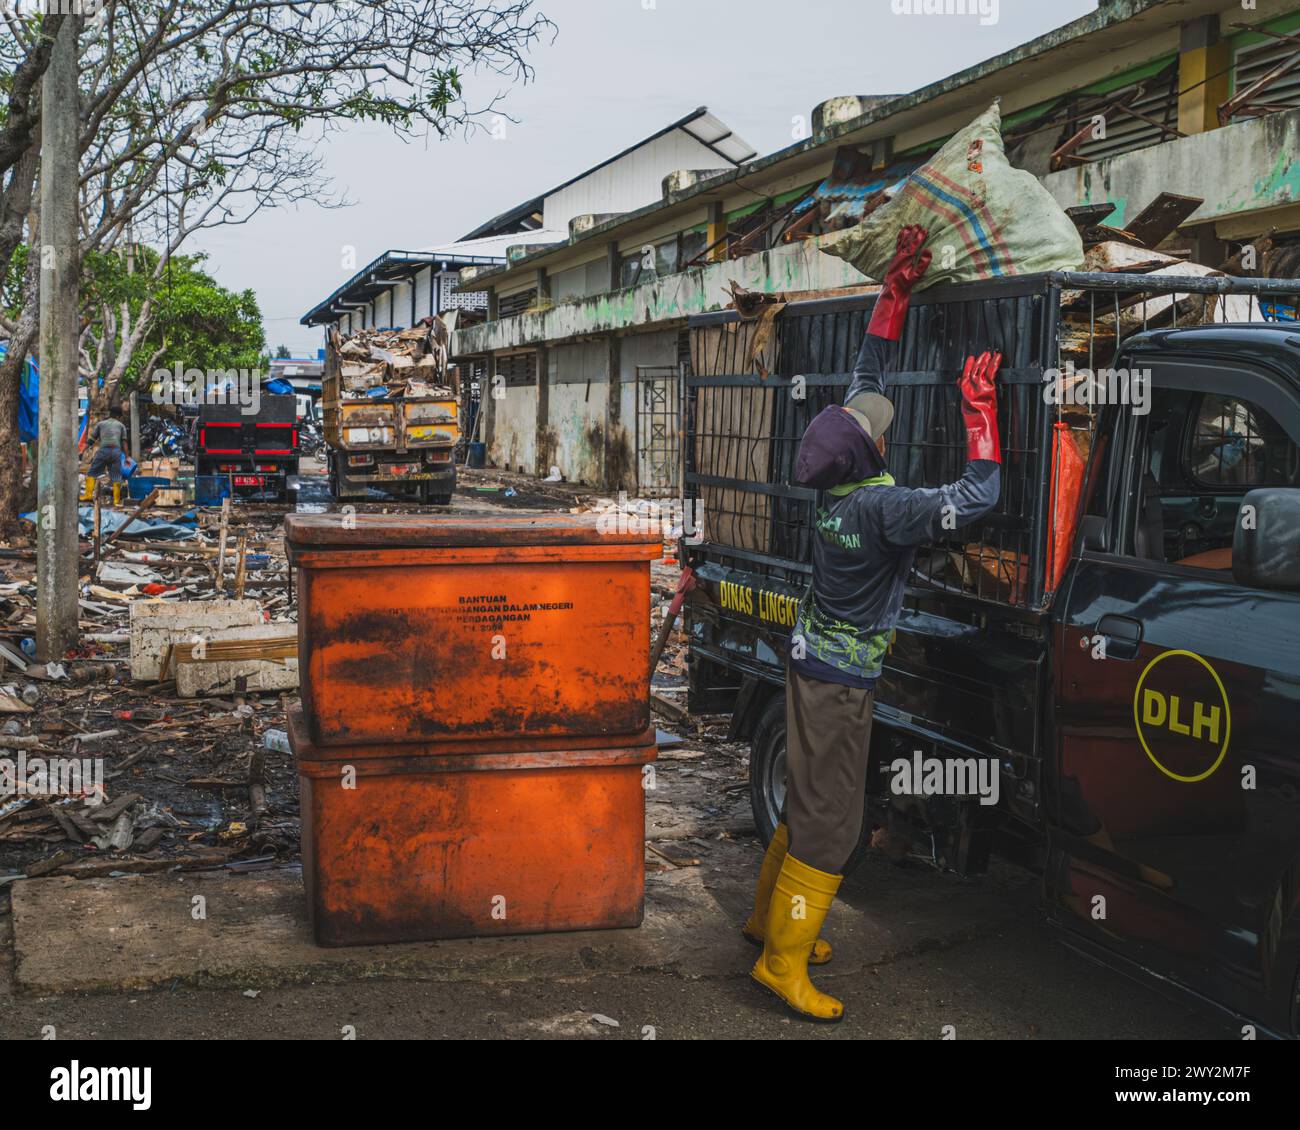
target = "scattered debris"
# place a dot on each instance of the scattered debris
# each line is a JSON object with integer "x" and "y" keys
{"x": 388, "y": 364}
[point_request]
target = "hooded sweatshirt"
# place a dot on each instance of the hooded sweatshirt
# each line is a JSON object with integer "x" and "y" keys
{"x": 866, "y": 534}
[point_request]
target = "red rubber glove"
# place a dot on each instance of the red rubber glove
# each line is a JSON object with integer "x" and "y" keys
{"x": 979, "y": 407}
{"x": 904, "y": 272}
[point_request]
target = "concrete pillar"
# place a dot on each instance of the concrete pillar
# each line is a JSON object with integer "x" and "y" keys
{"x": 135, "y": 425}
{"x": 1203, "y": 59}
{"x": 544, "y": 452}
{"x": 717, "y": 228}
{"x": 613, "y": 413}
{"x": 489, "y": 402}
{"x": 56, "y": 469}
{"x": 614, "y": 266}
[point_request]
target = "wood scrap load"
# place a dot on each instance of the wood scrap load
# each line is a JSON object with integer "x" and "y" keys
{"x": 403, "y": 363}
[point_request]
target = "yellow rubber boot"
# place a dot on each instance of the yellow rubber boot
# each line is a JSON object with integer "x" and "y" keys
{"x": 757, "y": 924}
{"x": 88, "y": 489}
{"x": 117, "y": 494}
{"x": 800, "y": 900}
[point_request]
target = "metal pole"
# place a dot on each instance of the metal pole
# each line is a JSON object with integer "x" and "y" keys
{"x": 56, "y": 470}
{"x": 135, "y": 425}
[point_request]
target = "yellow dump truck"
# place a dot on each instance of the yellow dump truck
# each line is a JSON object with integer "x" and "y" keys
{"x": 390, "y": 414}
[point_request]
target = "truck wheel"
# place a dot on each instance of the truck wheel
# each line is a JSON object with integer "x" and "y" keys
{"x": 767, "y": 777}
{"x": 333, "y": 471}
{"x": 428, "y": 498}
{"x": 767, "y": 767}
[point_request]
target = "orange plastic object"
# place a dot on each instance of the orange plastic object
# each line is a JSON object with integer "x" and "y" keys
{"x": 442, "y": 628}
{"x": 421, "y": 845}
{"x": 1067, "y": 487}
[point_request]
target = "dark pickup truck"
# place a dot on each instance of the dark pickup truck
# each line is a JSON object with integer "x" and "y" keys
{"x": 257, "y": 452}
{"x": 1117, "y": 640}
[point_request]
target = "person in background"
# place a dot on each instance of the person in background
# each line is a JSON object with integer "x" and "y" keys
{"x": 865, "y": 536}
{"x": 110, "y": 435}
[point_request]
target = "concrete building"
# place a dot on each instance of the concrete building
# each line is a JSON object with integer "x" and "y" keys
{"x": 399, "y": 287}
{"x": 583, "y": 337}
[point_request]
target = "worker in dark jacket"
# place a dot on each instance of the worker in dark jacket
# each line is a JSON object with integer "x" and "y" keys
{"x": 866, "y": 534}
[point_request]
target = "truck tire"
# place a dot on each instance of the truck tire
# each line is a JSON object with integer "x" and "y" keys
{"x": 427, "y": 497}
{"x": 332, "y": 464}
{"x": 767, "y": 777}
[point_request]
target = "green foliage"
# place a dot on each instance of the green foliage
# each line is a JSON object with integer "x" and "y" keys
{"x": 196, "y": 322}
{"x": 11, "y": 283}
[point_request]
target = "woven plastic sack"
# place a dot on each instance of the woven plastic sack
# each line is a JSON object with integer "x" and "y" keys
{"x": 985, "y": 219}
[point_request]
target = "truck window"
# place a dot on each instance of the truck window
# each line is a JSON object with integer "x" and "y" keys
{"x": 1234, "y": 443}
{"x": 1201, "y": 453}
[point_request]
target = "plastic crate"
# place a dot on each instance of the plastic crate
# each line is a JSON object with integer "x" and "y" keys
{"x": 140, "y": 486}
{"x": 209, "y": 490}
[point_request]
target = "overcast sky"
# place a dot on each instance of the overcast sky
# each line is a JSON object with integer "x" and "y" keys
{"x": 617, "y": 71}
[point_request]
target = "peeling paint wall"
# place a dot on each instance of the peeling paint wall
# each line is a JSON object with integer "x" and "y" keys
{"x": 1241, "y": 168}
{"x": 514, "y": 430}
{"x": 578, "y": 410}
{"x": 795, "y": 266}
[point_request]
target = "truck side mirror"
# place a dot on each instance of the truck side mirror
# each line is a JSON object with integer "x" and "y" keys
{"x": 1094, "y": 533}
{"x": 1266, "y": 544}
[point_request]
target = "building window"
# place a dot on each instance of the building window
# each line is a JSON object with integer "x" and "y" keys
{"x": 670, "y": 256}
{"x": 1251, "y": 63}
{"x": 518, "y": 369}
{"x": 511, "y": 304}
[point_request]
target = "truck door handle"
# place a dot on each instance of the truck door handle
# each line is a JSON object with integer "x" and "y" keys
{"x": 1123, "y": 636}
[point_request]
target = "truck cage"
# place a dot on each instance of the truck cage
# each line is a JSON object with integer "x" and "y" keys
{"x": 754, "y": 384}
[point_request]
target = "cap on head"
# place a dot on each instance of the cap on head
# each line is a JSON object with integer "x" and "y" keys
{"x": 876, "y": 410}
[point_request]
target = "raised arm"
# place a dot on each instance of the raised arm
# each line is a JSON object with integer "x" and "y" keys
{"x": 888, "y": 315}
{"x": 911, "y": 517}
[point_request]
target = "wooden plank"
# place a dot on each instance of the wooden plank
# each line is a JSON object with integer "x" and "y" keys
{"x": 1162, "y": 217}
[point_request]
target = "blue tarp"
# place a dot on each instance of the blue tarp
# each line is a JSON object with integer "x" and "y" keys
{"x": 29, "y": 391}
{"x": 28, "y": 404}
{"x": 110, "y": 520}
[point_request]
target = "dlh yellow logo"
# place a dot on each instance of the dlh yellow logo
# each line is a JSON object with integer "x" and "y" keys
{"x": 1183, "y": 719}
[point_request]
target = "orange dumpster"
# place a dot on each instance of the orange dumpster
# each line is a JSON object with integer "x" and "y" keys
{"x": 411, "y": 842}
{"x": 456, "y": 627}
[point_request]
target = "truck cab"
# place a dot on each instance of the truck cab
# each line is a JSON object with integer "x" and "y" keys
{"x": 256, "y": 452}
{"x": 1175, "y": 676}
